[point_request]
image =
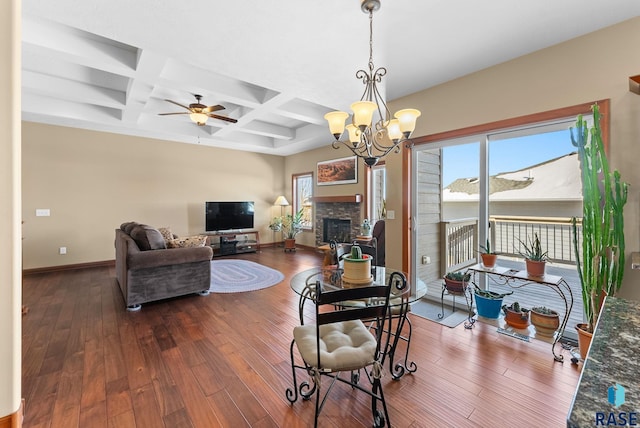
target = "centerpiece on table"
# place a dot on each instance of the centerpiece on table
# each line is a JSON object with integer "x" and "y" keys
{"x": 357, "y": 269}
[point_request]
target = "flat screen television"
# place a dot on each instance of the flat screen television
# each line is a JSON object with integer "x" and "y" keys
{"x": 221, "y": 216}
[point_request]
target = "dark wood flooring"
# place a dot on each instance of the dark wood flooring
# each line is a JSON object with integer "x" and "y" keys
{"x": 223, "y": 361}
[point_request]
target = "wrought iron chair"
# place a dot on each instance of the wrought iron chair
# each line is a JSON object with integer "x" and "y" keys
{"x": 340, "y": 342}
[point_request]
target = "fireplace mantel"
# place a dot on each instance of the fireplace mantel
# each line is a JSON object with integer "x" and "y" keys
{"x": 356, "y": 199}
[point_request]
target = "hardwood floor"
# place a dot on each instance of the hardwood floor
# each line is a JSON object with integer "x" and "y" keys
{"x": 223, "y": 360}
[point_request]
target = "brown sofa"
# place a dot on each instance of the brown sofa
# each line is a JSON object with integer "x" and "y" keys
{"x": 146, "y": 270}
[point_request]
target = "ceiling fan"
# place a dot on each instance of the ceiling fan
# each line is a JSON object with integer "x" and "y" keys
{"x": 199, "y": 113}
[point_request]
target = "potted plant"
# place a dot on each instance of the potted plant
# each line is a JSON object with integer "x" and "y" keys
{"x": 291, "y": 226}
{"x": 515, "y": 315}
{"x": 456, "y": 282}
{"x": 534, "y": 257}
{"x": 604, "y": 195}
{"x": 488, "y": 257}
{"x": 545, "y": 320}
{"x": 488, "y": 303}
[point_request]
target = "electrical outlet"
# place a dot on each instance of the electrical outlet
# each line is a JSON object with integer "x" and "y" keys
{"x": 43, "y": 212}
{"x": 62, "y": 250}
{"x": 426, "y": 260}
{"x": 391, "y": 214}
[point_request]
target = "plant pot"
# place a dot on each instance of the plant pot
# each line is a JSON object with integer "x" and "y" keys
{"x": 488, "y": 308}
{"x": 535, "y": 268}
{"x": 489, "y": 260}
{"x": 516, "y": 319}
{"x": 545, "y": 324}
{"x": 584, "y": 340}
{"x": 290, "y": 244}
{"x": 455, "y": 287}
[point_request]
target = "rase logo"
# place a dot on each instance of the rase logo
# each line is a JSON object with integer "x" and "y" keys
{"x": 615, "y": 396}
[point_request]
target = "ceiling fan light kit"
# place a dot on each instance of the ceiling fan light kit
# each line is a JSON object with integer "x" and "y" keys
{"x": 200, "y": 113}
{"x": 368, "y": 140}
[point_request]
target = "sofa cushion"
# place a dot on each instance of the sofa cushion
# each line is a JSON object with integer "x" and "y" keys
{"x": 128, "y": 226}
{"x": 148, "y": 238}
{"x": 187, "y": 242}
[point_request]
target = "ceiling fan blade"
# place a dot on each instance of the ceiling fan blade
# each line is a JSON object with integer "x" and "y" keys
{"x": 225, "y": 118}
{"x": 178, "y": 104}
{"x": 211, "y": 109}
{"x": 167, "y": 114}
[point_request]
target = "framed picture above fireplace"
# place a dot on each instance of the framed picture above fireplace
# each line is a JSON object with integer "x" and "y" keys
{"x": 337, "y": 171}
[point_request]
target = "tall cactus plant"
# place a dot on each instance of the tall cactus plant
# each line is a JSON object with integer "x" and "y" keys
{"x": 604, "y": 195}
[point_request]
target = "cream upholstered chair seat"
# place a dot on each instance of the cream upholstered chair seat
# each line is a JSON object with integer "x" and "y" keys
{"x": 344, "y": 346}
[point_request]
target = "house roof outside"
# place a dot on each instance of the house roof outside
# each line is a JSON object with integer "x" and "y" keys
{"x": 556, "y": 179}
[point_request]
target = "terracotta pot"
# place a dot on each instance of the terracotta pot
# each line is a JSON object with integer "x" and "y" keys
{"x": 489, "y": 260}
{"x": 516, "y": 319}
{"x": 546, "y": 325}
{"x": 535, "y": 268}
{"x": 584, "y": 340}
{"x": 289, "y": 244}
{"x": 455, "y": 286}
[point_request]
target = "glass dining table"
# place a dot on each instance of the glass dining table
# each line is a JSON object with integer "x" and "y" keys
{"x": 403, "y": 294}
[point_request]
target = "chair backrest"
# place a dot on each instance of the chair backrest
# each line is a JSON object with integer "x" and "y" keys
{"x": 376, "y": 309}
{"x": 337, "y": 251}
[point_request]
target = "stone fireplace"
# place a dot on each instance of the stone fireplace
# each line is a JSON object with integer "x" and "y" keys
{"x": 339, "y": 216}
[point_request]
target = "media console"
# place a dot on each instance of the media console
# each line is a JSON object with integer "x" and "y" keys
{"x": 229, "y": 243}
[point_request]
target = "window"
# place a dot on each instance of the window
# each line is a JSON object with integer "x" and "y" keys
{"x": 302, "y": 194}
{"x": 378, "y": 193}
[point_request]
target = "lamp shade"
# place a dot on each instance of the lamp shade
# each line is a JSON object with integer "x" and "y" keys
{"x": 363, "y": 113}
{"x": 354, "y": 134}
{"x": 281, "y": 201}
{"x": 407, "y": 119}
{"x": 393, "y": 130}
{"x": 199, "y": 118}
{"x": 336, "y": 122}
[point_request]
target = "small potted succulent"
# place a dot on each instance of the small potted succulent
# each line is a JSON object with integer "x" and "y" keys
{"x": 456, "y": 282}
{"x": 488, "y": 256}
{"x": 535, "y": 258}
{"x": 545, "y": 320}
{"x": 515, "y": 315}
{"x": 488, "y": 302}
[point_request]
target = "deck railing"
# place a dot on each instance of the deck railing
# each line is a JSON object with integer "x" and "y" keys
{"x": 460, "y": 238}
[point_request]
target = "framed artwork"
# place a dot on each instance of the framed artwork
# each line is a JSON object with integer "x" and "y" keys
{"x": 338, "y": 171}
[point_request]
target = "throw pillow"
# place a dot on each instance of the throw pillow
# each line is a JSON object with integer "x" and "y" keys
{"x": 187, "y": 242}
{"x": 166, "y": 233}
{"x": 148, "y": 238}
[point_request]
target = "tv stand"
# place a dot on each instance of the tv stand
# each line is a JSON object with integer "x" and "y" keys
{"x": 230, "y": 243}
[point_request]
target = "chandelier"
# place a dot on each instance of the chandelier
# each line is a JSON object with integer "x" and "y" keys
{"x": 368, "y": 140}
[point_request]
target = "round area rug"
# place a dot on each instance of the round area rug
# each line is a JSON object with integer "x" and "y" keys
{"x": 237, "y": 276}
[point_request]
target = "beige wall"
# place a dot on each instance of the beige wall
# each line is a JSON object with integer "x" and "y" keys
{"x": 94, "y": 181}
{"x": 592, "y": 67}
{"x": 10, "y": 269}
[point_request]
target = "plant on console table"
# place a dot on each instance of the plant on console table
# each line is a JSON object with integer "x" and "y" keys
{"x": 291, "y": 226}
{"x": 545, "y": 320}
{"x": 515, "y": 315}
{"x": 534, "y": 257}
{"x": 488, "y": 256}
{"x": 604, "y": 196}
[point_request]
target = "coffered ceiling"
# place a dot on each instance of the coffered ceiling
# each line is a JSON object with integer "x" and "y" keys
{"x": 276, "y": 65}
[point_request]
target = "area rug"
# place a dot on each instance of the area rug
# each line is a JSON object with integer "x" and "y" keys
{"x": 237, "y": 276}
{"x": 430, "y": 311}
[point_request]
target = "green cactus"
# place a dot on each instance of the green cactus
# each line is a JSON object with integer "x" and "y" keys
{"x": 356, "y": 252}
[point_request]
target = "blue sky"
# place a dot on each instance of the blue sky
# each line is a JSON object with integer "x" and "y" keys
{"x": 505, "y": 155}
